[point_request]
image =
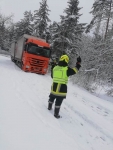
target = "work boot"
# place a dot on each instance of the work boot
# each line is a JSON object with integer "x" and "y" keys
{"x": 50, "y": 105}
{"x": 56, "y": 112}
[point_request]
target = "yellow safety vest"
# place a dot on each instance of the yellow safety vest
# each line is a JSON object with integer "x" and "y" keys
{"x": 60, "y": 75}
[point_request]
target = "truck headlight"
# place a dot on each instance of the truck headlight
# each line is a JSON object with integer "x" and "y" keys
{"x": 27, "y": 66}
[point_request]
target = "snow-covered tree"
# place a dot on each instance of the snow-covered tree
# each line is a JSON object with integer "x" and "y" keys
{"x": 67, "y": 33}
{"x": 99, "y": 57}
{"x": 41, "y": 20}
{"x": 27, "y": 23}
{"x": 25, "y": 26}
{"x": 102, "y": 12}
{"x": 59, "y": 42}
{"x": 11, "y": 32}
{"x": 4, "y": 32}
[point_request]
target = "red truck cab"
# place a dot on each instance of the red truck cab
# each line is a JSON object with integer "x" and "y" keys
{"x": 32, "y": 54}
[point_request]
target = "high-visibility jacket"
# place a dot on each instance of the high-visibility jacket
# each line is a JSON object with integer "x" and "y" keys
{"x": 60, "y": 79}
{"x": 60, "y": 75}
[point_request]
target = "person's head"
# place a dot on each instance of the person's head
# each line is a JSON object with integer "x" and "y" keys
{"x": 64, "y": 58}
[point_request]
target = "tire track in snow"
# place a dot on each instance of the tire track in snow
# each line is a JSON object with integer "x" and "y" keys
{"x": 93, "y": 124}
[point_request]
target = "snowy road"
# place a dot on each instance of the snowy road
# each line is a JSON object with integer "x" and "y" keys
{"x": 26, "y": 124}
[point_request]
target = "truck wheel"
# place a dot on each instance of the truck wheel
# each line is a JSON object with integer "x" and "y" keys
{"x": 12, "y": 59}
{"x": 21, "y": 65}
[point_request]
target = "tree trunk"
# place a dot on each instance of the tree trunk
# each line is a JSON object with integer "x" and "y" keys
{"x": 108, "y": 21}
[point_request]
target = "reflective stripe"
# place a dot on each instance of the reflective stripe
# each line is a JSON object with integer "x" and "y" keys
{"x": 52, "y": 87}
{"x": 58, "y": 87}
{"x": 75, "y": 69}
{"x": 58, "y": 93}
{"x": 57, "y": 106}
{"x": 58, "y": 80}
{"x": 50, "y": 102}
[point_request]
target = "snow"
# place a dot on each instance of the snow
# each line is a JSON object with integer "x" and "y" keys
{"x": 27, "y": 124}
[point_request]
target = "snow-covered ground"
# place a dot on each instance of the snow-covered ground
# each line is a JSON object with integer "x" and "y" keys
{"x": 26, "y": 123}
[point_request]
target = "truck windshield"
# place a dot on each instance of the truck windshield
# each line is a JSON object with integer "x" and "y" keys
{"x": 42, "y": 51}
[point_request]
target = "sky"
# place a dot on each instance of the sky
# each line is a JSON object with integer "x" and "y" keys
{"x": 27, "y": 124}
{"x": 18, "y": 7}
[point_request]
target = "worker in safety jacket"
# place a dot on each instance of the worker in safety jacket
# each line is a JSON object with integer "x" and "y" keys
{"x": 60, "y": 74}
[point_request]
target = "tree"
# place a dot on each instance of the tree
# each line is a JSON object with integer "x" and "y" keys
{"x": 67, "y": 33}
{"x": 109, "y": 14}
{"x": 4, "y": 25}
{"x": 5, "y": 22}
{"x": 102, "y": 10}
{"x": 25, "y": 26}
{"x": 102, "y": 42}
{"x": 41, "y": 20}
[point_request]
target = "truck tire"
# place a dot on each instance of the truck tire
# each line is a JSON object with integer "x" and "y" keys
{"x": 12, "y": 59}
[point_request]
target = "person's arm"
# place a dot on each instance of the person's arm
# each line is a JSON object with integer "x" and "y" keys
{"x": 52, "y": 66}
{"x": 72, "y": 71}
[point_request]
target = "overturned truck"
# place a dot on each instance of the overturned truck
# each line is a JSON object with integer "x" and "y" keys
{"x": 31, "y": 54}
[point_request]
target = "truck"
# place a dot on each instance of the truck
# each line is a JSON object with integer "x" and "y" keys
{"x": 31, "y": 54}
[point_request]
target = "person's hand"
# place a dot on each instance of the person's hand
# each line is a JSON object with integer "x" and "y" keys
{"x": 79, "y": 59}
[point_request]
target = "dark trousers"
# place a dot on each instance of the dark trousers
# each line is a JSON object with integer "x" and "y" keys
{"x": 58, "y": 101}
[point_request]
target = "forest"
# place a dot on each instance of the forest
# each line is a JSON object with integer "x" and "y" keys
{"x": 93, "y": 41}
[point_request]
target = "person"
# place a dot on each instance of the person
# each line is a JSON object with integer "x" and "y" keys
{"x": 60, "y": 74}
{"x": 53, "y": 64}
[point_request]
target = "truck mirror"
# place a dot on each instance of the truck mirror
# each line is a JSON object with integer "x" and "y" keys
{"x": 26, "y": 47}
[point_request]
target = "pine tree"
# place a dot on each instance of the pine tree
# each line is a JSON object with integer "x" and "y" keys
{"x": 69, "y": 30}
{"x": 108, "y": 14}
{"x": 4, "y": 25}
{"x": 25, "y": 26}
{"x": 27, "y": 23}
{"x": 11, "y": 31}
{"x": 102, "y": 10}
{"x": 57, "y": 38}
{"x": 41, "y": 20}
